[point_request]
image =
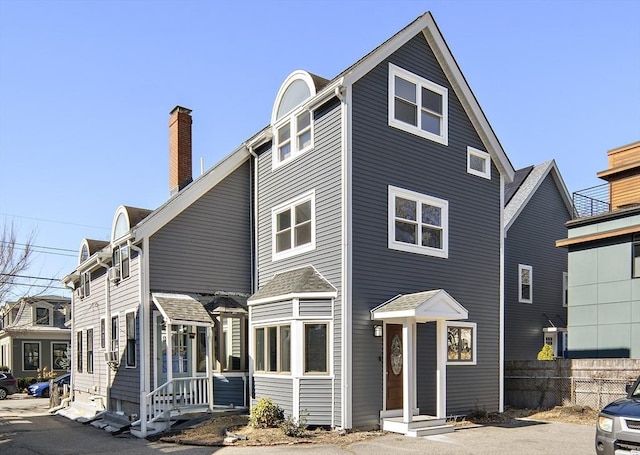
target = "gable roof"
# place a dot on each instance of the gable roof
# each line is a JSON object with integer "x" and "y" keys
{"x": 181, "y": 309}
{"x": 423, "y": 306}
{"x": 528, "y": 185}
{"x": 427, "y": 25}
{"x": 518, "y": 178}
{"x": 302, "y": 282}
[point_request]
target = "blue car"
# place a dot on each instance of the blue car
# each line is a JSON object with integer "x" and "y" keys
{"x": 41, "y": 389}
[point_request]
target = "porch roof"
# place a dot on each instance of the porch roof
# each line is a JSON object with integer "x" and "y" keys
{"x": 227, "y": 304}
{"x": 305, "y": 282}
{"x": 182, "y": 309}
{"x": 421, "y": 306}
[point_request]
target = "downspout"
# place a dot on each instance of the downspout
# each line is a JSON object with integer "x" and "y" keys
{"x": 107, "y": 325}
{"x": 142, "y": 326}
{"x": 69, "y": 399}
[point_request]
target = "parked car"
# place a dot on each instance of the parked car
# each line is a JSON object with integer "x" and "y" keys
{"x": 8, "y": 384}
{"x": 618, "y": 426}
{"x": 41, "y": 389}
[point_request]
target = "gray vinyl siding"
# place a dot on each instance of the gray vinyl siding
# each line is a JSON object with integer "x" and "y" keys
{"x": 280, "y": 390}
{"x": 531, "y": 241}
{"x": 314, "y": 396}
{"x": 320, "y": 170}
{"x": 383, "y": 156}
{"x": 207, "y": 247}
{"x": 124, "y": 298}
{"x": 272, "y": 311}
{"x": 229, "y": 390}
{"x": 320, "y": 308}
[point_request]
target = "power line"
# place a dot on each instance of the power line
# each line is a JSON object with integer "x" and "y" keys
{"x": 29, "y": 277}
{"x": 39, "y": 246}
{"x": 54, "y": 221}
{"x": 29, "y": 285}
{"x": 49, "y": 252}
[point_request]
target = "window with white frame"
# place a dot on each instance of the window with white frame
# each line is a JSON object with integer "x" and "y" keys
{"x": 90, "y": 351}
{"x": 294, "y": 136}
{"x": 232, "y": 344}
{"x": 273, "y": 349}
{"x": 85, "y": 285}
{"x": 120, "y": 260}
{"x": 478, "y": 163}
{"x": 102, "y": 333}
{"x": 565, "y": 289}
{"x": 130, "y": 355}
{"x": 114, "y": 334}
{"x": 316, "y": 348}
{"x": 30, "y": 355}
{"x": 42, "y": 315}
{"x": 79, "y": 351}
{"x": 461, "y": 343}
{"x": 417, "y": 105}
{"x": 293, "y": 226}
{"x": 418, "y": 223}
{"x": 525, "y": 283}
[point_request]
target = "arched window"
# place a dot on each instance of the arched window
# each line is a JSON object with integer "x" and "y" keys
{"x": 292, "y": 123}
{"x": 120, "y": 227}
{"x": 84, "y": 253}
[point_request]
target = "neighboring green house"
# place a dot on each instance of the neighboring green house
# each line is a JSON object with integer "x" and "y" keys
{"x": 34, "y": 334}
{"x": 604, "y": 262}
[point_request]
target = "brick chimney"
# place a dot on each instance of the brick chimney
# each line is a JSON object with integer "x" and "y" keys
{"x": 179, "y": 149}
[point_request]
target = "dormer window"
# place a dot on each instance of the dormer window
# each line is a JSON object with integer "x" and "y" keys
{"x": 292, "y": 121}
{"x": 42, "y": 316}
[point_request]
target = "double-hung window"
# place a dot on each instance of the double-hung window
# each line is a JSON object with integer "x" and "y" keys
{"x": 293, "y": 225}
{"x": 418, "y": 223}
{"x": 90, "y": 351}
{"x": 41, "y": 316}
{"x": 461, "y": 343}
{"x": 59, "y": 360}
{"x": 114, "y": 334}
{"x": 417, "y": 105}
{"x": 30, "y": 356}
{"x": 79, "y": 351}
{"x": 130, "y": 355}
{"x": 525, "y": 283}
{"x": 294, "y": 136}
{"x": 85, "y": 285}
{"x": 273, "y": 349}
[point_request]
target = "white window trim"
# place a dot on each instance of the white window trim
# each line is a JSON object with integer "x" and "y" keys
{"x": 420, "y": 198}
{"x": 520, "y": 298}
{"x": 474, "y": 344}
{"x": 39, "y": 353}
{"x": 34, "y": 312}
{"x": 328, "y": 348}
{"x": 103, "y": 334}
{"x": 565, "y": 289}
{"x": 126, "y": 341}
{"x": 52, "y": 354}
{"x": 293, "y": 251}
{"x": 265, "y": 372}
{"x": 292, "y": 119}
{"x": 420, "y": 82}
{"x": 93, "y": 350}
{"x": 480, "y": 154}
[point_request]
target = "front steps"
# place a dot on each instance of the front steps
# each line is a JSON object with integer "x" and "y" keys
{"x": 421, "y": 425}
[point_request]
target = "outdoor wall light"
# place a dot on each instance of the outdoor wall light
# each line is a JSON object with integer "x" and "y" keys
{"x": 377, "y": 330}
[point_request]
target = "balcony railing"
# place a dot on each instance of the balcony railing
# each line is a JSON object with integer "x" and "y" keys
{"x": 591, "y": 201}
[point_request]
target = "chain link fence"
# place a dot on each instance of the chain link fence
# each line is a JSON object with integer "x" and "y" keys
{"x": 547, "y": 392}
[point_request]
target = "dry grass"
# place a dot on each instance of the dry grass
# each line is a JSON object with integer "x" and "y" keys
{"x": 213, "y": 431}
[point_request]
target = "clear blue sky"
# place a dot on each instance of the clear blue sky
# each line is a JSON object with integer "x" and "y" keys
{"x": 86, "y": 88}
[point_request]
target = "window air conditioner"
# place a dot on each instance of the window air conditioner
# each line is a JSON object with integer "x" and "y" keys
{"x": 114, "y": 274}
{"x": 111, "y": 357}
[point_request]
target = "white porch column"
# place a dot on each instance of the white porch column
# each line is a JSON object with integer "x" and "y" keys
{"x": 169, "y": 342}
{"x": 408, "y": 369}
{"x": 208, "y": 363}
{"x": 441, "y": 369}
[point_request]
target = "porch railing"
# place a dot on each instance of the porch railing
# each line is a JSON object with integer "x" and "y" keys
{"x": 175, "y": 394}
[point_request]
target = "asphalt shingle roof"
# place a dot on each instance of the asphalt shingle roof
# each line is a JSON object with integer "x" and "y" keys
{"x": 181, "y": 307}
{"x": 299, "y": 281}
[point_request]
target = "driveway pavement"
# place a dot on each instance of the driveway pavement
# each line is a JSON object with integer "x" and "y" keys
{"x": 26, "y": 428}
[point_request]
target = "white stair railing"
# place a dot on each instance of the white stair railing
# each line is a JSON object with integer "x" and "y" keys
{"x": 175, "y": 394}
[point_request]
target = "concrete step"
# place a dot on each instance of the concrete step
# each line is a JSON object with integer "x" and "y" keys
{"x": 429, "y": 431}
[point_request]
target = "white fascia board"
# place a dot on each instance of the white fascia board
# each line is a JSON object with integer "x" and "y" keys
{"x": 307, "y": 295}
{"x": 467, "y": 98}
{"x": 564, "y": 192}
{"x": 198, "y": 188}
{"x": 379, "y": 316}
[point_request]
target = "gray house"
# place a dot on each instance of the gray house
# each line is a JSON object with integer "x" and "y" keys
{"x": 537, "y": 206}
{"x": 379, "y": 241}
{"x": 34, "y": 334}
{"x": 365, "y": 223}
{"x": 603, "y": 243}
